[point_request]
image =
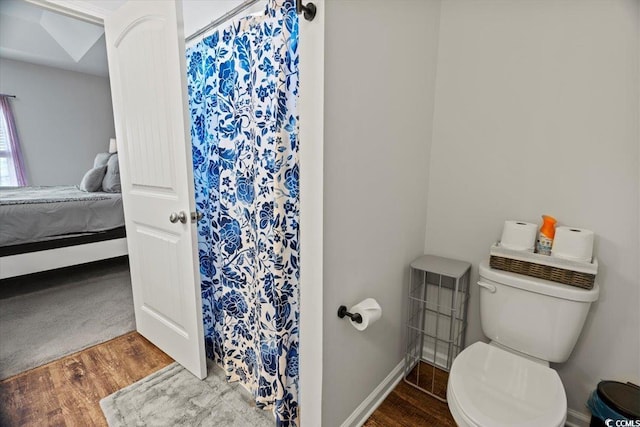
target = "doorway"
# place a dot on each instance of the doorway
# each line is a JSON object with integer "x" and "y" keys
{"x": 54, "y": 70}
{"x": 311, "y": 348}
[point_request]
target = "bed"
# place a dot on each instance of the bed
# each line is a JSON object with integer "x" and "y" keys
{"x": 42, "y": 228}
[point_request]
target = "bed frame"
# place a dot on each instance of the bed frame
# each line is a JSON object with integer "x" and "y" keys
{"x": 17, "y": 260}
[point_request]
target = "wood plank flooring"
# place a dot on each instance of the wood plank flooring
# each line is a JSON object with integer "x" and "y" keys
{"x": 67, "y": 392}
{"x": 407, "y": 406}
{"x": 430, "y": 378}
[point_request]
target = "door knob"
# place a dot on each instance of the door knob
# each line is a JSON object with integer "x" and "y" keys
{"x": 196, "y": 216}
{"x": 175, "y": 217}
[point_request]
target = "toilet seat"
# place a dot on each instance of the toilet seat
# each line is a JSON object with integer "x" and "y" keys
{"x": 491, "y": 387}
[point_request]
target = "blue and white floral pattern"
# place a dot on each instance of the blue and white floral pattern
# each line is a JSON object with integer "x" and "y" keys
{"x": 243, "y": 87}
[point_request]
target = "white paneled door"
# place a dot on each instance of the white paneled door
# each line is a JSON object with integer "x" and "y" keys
{"x": 145, "y": 47}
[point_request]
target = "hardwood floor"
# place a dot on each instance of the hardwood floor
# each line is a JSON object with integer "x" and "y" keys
{"x": 407, "y": 406}
{"x": 67, "y": 392}
{"x": 430, "y": 378}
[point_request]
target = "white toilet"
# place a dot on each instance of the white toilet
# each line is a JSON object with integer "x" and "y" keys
{"x": 508, "y": 383}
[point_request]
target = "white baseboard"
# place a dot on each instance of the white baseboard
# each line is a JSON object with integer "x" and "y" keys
{"x": 440, "y": 358}
{"x": 577, "y": 419}
{"x": 377, "y": 396}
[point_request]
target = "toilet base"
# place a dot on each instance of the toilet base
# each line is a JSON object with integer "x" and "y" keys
{"x": 458, "y": 416}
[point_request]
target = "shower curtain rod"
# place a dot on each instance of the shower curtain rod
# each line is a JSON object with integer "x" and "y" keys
{"x": 233, "y": 12}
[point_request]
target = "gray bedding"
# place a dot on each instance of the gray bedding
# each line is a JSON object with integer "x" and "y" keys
{"x": 31, "y": 214}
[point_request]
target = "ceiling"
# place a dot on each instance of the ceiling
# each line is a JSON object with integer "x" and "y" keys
{"x": 32, "y": 34}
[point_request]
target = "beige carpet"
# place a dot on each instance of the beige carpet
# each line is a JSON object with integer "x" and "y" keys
{"x": 63, "y": 312}
{"x": 174, "y": 397}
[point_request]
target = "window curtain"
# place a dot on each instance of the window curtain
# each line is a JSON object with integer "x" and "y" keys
{"x": 15, "y": 174}
{"x": 243, "y": 85}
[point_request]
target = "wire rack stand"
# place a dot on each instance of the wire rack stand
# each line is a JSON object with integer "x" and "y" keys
{"x": 437, "y": 321}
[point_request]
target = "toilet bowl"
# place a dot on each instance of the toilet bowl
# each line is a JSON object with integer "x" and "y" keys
{"x": 508, "y": 383}
{"x": 491, "y": 387}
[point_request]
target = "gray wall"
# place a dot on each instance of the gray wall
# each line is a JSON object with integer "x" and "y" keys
{"x": 63, "y": 118}
{"x": 536, "y": 112}
{"x": 379, "y": 91}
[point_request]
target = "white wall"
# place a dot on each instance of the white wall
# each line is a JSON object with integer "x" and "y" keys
{"x": 311, "y": 137}
{"x": 64, "y": 118}
{"x": 536, "y": 111}
{"x": 379, "y": 82}
{"x": 199, "y": 13}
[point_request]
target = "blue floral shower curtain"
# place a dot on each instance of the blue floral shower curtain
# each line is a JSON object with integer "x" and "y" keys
{"x": 243, "y": 85}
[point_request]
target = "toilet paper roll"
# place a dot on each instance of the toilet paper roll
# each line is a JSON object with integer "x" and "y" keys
{"x": 519, "y": 235}
{"x": 370, "y": 311}
{"x": 572, "y": 243}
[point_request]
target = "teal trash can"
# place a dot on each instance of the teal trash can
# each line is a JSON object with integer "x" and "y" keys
{"x": 613, "y": 400}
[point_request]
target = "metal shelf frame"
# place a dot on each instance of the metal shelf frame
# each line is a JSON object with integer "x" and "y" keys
{"x": 436, "y": 319}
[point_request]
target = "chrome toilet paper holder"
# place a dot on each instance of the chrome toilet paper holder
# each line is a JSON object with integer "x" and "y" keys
{"x": 342, "y": 312}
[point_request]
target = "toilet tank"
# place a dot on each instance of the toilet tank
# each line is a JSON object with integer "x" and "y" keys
{"x": 533, "y": 316}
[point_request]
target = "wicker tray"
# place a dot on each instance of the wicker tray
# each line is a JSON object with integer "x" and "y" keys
{"x": 558, "y": 270}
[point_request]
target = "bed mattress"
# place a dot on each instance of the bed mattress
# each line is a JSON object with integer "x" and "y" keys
{"x": 32, "y": 214}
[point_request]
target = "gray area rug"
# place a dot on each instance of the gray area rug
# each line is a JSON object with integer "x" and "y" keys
{"x": 63, "y": 312}
{"x": 174, "y": 397}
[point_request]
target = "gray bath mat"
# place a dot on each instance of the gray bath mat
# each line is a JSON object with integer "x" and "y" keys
{"x": 174, "y": 397}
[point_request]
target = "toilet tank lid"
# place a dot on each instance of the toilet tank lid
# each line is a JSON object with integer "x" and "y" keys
{"x": 539, "y": 286}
